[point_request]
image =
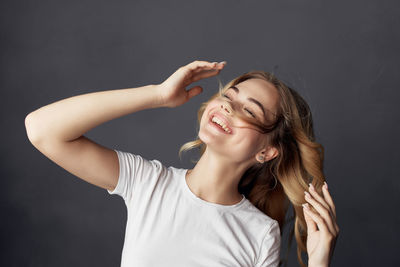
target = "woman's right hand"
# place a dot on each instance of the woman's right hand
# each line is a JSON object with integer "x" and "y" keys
{"x": 173, "y": 90}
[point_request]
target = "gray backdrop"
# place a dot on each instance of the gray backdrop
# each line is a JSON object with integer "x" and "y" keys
{"x": 342, "y": 56}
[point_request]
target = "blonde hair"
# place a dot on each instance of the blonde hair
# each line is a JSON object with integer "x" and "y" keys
{"x": 275, "y": 185}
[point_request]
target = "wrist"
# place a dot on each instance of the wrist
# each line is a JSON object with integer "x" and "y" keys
{"x": 161, "y": 99}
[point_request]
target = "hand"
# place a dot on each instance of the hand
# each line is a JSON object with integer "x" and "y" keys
{"x": 173, "y": 90}
{"x": 322, "y": 229}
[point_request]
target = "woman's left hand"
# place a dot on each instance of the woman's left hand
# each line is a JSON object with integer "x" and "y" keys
{"x": 322, "y": 229}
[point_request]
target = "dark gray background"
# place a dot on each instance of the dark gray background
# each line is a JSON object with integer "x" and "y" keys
{"x": 342, "y": 56}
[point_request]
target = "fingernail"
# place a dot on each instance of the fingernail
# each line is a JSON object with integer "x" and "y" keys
{"x": 326, "y": 185}
{"x": 222, "y": 62}
{"x": 307, "y": 194}
{"x": 311, "y": 187}
{"x": 305, "y": 205}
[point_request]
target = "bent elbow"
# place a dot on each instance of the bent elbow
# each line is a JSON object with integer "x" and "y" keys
{"x": 31, "y": 128}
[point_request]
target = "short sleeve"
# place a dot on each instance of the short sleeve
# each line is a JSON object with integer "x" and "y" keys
{"x": 269, "y": 254}
{"x": 135, "y": 172}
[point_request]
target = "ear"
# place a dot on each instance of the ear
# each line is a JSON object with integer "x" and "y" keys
{"x": 267, "y": 154}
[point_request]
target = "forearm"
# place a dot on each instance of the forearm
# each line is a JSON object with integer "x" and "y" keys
{"x": 70, "y": 118}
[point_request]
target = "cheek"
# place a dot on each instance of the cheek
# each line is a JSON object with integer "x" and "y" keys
{"x": 207, "y": 110}
{"x": 246, "y": 140}
{"x": 243, "y": 146}
{"x": 249, "y": 136}
{"x": 204, "y": 119}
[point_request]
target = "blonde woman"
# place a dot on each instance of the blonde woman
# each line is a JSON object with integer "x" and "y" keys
{"x": 258, "y": 158}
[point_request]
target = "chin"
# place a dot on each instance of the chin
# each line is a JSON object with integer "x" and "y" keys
{"x": 212, "y": 142}
{"x": 205, "y": 138}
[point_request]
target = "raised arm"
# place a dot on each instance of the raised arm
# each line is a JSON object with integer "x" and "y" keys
{"x": 57, "y": 130}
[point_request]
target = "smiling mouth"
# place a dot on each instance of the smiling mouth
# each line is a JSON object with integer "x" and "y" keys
{"x": 218, "y": 123}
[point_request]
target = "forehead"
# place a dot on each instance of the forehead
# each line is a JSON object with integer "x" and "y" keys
{"x": 261, "y": 90}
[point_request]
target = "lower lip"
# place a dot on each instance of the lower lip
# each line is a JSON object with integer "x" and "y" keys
{"x": 216, "y": 126}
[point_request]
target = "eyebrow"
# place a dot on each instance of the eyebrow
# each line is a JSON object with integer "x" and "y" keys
{"x": 250, "y": 99}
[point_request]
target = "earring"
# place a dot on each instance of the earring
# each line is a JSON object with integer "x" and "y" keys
{"x": 261, "y": 158}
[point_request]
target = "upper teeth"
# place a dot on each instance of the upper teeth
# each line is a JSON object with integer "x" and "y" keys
{"x": 221, "y": 123}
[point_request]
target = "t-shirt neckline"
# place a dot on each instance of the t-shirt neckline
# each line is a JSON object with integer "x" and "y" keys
{"x": 204, "y": 202}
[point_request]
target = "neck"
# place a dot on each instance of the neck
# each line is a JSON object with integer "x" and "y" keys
{"x": 215, "y": 179}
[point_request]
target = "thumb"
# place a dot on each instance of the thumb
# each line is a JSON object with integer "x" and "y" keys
{"x": 311, "y": 225}
{"x": 194, "y": 91}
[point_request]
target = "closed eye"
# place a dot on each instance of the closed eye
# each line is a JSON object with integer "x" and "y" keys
{"x": 224, "y": 95}
{"x": 251, "y": 113}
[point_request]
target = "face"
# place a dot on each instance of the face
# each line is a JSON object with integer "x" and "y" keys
{"x": 239, "y": 141}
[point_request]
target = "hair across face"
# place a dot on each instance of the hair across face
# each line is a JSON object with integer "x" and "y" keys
{"x": 255, "y": 100}
{"x": 246, "y": 109}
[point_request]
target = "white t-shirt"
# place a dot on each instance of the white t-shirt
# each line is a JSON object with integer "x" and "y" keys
{"x": 168, "y": 225}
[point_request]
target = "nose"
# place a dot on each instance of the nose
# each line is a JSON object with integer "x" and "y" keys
{"x": 226, "y": 108}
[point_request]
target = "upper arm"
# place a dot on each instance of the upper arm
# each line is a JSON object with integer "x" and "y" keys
{"x": 85, "y": 159}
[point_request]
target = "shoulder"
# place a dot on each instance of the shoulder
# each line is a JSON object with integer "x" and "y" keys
{"x": 257, "y": 223}
{"x": 252, "y": 213}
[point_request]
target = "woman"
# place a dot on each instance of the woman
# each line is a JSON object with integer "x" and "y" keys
{"x": 257, "y": 155}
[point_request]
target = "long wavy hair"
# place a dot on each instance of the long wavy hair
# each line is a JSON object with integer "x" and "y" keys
{"x": 280, "y": 183}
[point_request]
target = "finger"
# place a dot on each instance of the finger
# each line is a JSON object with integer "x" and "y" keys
{"x": 205, "y": 74}
{"x": 319, "y": 221}
{"x": 197, "y": 64}
{"x": 210, "y": 67}
{"x": 200, "y": 66}
{"x": 311, "y": 225}
{"x": 317, "y": 196}
{"x": 203, "y": 68}
{"x": 215, "y": 69}
{"x": 324, "y": 213}
{"x": 194, "y": 91}
{"x": 328, "y": 198}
